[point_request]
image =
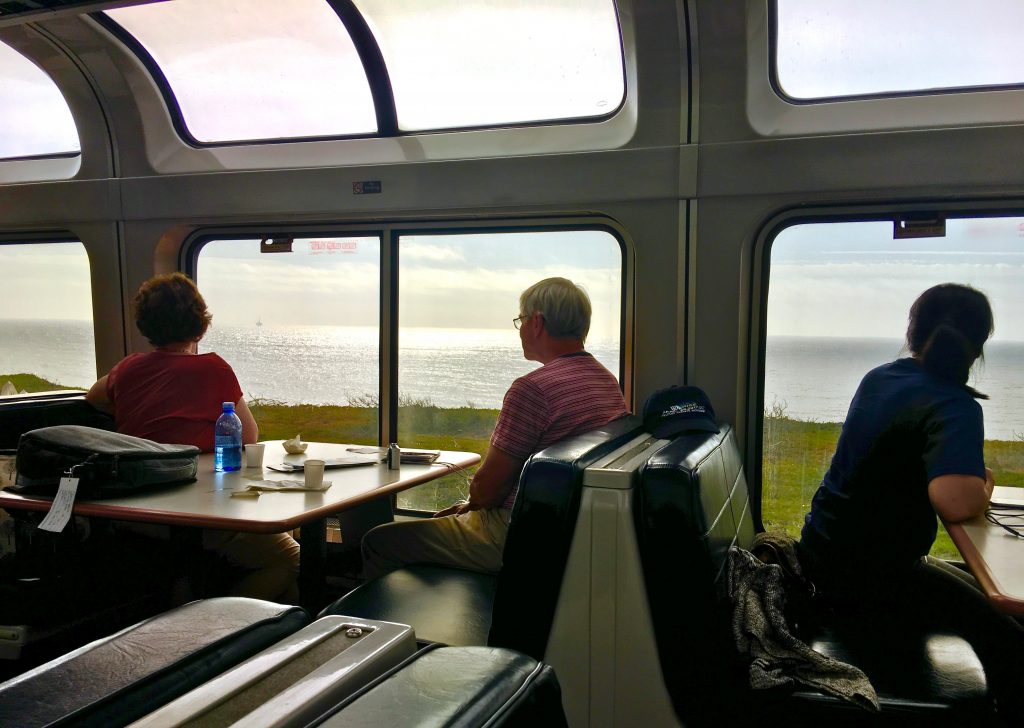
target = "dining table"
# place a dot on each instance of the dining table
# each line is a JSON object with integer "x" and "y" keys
{"x": 233, "y": 501}
{"x": 993, "y": 553}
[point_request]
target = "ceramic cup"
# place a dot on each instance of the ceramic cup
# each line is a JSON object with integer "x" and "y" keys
{"x": 254, "y": 455}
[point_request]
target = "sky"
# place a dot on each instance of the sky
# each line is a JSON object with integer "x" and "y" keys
{"x": 832, "y": 279}
{"x": 854, "y": 279}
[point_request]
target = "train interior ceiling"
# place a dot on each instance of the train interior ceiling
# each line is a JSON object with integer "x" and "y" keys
{"x": 739, "y": 185}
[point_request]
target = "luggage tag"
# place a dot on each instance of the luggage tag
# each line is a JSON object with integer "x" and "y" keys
{"x": 60, "y": 512}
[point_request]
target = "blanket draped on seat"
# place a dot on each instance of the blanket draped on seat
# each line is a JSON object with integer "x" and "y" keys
{"x": 760, "y": 632}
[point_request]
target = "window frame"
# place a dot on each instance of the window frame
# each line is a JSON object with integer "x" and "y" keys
{"x": 757, "y": 315}
{"x": 389, "y": 234}
{"x": 376, "y": 75}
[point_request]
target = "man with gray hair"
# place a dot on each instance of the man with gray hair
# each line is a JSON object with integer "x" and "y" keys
{"x": 570, "y": 394}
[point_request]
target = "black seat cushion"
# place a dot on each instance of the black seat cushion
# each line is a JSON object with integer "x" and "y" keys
{"x": 30, "y": 412}
{"x": 692, "y": 505}
{"x": 457, "y": 686}
{"x": 919, "y": 673}
{"x": 450, "y": 606}
{"x": 123, "y": 677}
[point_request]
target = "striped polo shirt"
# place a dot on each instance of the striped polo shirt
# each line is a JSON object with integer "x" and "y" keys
{"x": 567, "y": 396}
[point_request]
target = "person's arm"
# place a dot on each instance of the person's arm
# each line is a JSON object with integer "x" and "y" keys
{"x": 960, "y": 497}
{"x": 98, "y": 397}
{"x": 250, "y": 430}
{"x": 491, "y": 484}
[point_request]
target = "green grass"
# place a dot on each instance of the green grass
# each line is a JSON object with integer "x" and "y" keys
{"x": 796, "y": 455}
{"x": 31, "y": 383}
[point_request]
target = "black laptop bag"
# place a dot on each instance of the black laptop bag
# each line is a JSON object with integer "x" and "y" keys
{"x": 107, "y": 464}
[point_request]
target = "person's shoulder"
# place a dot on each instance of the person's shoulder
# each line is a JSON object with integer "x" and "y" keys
{"x": 212, "y": 360}
{"x": 131, "y": 361}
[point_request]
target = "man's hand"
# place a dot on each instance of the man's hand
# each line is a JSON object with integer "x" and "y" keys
{"x": 456, "y": 509}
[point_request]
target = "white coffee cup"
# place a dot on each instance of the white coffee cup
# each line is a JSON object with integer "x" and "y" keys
{"x": 314, "y": 470}
{"x": 254, "y": 455}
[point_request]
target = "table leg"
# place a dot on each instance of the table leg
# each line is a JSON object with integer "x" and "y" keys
{"x": 312, "y": 565}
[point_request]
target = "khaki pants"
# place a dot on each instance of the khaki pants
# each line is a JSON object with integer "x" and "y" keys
{"x": 270, "y": 561}
{"x": 473, "y": 541}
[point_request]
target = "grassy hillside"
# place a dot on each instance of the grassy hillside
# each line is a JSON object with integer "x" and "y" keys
{"x": 30, "y": 383}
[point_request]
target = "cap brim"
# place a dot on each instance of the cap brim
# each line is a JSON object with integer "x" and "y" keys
{"x": 670, "y": 429}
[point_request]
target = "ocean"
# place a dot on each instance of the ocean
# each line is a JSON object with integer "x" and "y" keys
{"x": 814, "y": 378}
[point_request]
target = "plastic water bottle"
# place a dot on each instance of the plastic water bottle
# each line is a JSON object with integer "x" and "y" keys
{"x": 227, "y": 440}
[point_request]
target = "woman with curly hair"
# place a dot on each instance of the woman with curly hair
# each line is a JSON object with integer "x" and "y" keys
{"x": 173, "y": 394}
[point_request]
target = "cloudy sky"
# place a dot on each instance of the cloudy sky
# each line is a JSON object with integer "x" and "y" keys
{"x": 854, "y": 279}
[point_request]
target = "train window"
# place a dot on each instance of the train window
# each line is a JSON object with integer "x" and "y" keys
{"x": 36, "y": 120}
{"x": 46, "y": 342}
{"x": 300, "y": 327}
{"x": 458, "y": 349}
{"x": 257, "y": 69}
{"x": 837, "y": 307}
{"x": 837, "y": 49}
{"x": 459, "y": 64}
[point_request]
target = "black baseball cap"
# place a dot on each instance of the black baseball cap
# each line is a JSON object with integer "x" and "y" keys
{"x": 674, "y": 410}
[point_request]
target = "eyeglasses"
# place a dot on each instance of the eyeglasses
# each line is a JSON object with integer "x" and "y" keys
{"x": 518, "y": 321}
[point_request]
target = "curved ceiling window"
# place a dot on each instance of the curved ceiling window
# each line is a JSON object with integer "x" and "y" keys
{"x": 833, "y": 48}
{"x": 36, "y": 120}
{"x": 255, "y": 69}
{"x": 455, "y": 64}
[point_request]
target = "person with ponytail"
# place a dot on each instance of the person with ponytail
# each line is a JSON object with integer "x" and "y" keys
{"x": 911, "y": 448}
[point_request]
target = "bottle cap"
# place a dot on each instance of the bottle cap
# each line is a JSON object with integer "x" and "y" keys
{"x": 228, "y": 406}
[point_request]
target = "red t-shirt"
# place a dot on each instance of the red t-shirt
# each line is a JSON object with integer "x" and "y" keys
{"x": 171, "y": 398}
{"x": 567, "y": 396}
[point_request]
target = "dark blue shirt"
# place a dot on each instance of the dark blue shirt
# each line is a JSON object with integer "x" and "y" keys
{"x": 904, "y": 428}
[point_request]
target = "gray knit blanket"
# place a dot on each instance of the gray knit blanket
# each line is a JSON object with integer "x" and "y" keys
{"x": 777, "y": 658}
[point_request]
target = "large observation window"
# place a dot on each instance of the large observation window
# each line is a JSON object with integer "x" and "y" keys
{"x": 839, "y": 295}
{"x": 257, "y": 69}
{"x": 35, "y": 120}
{"x": 833, "y": 48}
{"x": 455, "y": 63}
{"x": 299, "y": 318}
{"x": 261, "y": 70}
{"x": 46, "y": 341}
{"x": 300, "y": 327}
{"x": 458, "y": 349}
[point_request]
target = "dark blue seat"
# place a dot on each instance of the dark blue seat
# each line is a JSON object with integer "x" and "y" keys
{"x": 121, "y": 678}
{"x": 514, "y": 609}
{"x": 692, "y": 506}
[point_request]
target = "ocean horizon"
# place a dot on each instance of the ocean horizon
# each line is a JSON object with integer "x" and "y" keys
{"x": 813, "y": 378}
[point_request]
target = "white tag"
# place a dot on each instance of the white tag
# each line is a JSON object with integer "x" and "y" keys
{"x": 60, "y": 511}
